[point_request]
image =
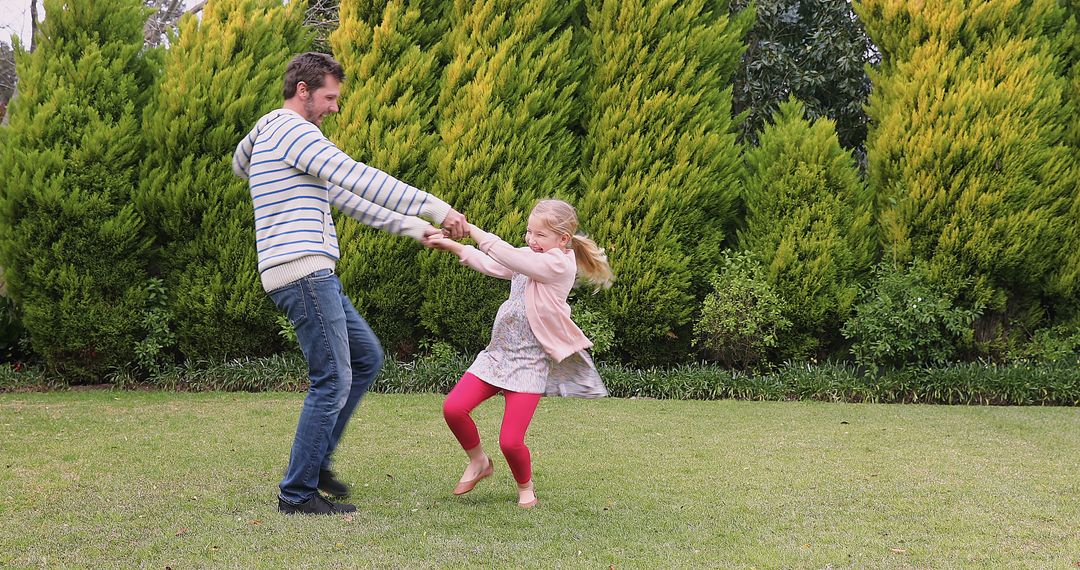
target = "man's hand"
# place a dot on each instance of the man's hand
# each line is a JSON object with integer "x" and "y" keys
{"x": 456, "y": 223}
{"x": 431, "y": 231}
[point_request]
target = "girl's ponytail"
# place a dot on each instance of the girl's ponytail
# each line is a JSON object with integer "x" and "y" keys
{"x": 592, "y": 262}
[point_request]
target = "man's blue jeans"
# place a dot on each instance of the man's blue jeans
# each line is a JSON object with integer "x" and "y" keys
{"x": 343, "y": 357}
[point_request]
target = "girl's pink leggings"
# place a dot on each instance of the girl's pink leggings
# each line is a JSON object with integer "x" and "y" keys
{"x": 467, "y": 394}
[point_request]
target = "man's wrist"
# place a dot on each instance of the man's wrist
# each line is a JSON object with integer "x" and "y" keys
{"x": 436, "y": 210}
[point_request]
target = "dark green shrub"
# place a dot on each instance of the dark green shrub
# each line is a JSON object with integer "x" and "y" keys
{"x": 814, "y": 50}
{"x": 743, "y": 316}
{"x": 906, "y": 317}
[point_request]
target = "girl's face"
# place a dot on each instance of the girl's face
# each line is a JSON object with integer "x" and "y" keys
{"x": 540, "y": 237}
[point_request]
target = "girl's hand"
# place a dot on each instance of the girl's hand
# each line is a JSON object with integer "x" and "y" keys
{"x": 438, "y": 241}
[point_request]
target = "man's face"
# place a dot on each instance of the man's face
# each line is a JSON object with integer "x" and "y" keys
{"x": 322, "y": 101}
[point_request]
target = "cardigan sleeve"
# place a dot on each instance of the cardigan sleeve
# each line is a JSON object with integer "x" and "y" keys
{"x": 474, "y": 258}
{"x": 544, "y": 267}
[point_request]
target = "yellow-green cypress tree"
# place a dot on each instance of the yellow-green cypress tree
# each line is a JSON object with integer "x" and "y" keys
{"x": 660, "y": 161}
{"x": 968, "y": 153}
{"x": 221, "y": 73}
{"x": 70, "y": 241}
{"x": 808, "y": 220}
{"x": 387, "y": 120}
{"x": 507, "y": 126}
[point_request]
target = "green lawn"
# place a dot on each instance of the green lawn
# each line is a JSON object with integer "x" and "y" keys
{"x": 146, "y": 479}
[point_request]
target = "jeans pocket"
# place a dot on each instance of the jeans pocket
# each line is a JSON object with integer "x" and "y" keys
{"x": 290, "y": 300}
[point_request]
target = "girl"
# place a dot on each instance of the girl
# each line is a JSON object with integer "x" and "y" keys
{"x": 535, "y": 348}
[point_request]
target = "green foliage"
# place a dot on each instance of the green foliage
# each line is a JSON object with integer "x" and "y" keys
{"x": 12, "y": 333}
{"x": 507, "y": 131}
{"x": 222, "y": 72}
{"x": 1056, "y": 344}
{"x": 743, "y": 317}
{"x": 969, "y": 156}
{"x": 154, "y": 352}
{"x": 660, "y": 162}
{"x": 440, "y": 369}
{"x": 813, "y": 50}
{"x": 70, "y": 241}
{"x": 280, "y": 372}
{"x": 808, "y": 218}
{"x": 906, "y": 317}
{"x": 287, "y": 332}
{"x": 387, "y": 120}
{"x": 597, "y": 327}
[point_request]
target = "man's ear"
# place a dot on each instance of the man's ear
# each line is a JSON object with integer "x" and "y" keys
{"x": 302, "y": 88}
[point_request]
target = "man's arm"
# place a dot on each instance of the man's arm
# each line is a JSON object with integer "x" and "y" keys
{"x": 374, "y": 215}
{"x": 304, "y": 147}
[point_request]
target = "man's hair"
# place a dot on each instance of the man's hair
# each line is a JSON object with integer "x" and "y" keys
{"x": 311, "y": 68}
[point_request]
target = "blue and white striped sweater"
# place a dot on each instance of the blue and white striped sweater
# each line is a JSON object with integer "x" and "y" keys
{"x": 295, "y": 174}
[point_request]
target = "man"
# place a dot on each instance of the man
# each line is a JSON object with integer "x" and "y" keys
{"x": 295, "y": 174}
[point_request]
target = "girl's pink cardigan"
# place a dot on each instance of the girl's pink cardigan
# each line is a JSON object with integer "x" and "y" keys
{"x": 551, "y": 276}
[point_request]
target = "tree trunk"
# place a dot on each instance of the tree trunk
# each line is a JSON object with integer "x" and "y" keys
{"x": 33, "y": 24}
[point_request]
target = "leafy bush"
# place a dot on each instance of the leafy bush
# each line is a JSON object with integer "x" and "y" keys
{"x": 153, "y": 352}
{"x": 598, "y": 327}
{"x": 743, "y": 315}
{"x": 906, "y": 317}
{"x": 1060, "y": 343}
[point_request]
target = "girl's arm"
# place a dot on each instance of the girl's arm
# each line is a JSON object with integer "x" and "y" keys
{"x": 470, "y": 257}
{"x": 541, "y": 267}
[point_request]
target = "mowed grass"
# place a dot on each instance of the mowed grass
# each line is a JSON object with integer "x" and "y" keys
{"x": 151, "y": 479}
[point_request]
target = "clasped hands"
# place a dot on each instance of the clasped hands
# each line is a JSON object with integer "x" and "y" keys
{"x": 454, "y": 227}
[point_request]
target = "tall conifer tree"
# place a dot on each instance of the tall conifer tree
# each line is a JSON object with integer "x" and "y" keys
{"x": 660, "y": 161}
{"x": 221, "y": 74}
{"x": 70, "y": 241}
{"x": 968, "y": 155}
{"x": 808, "y": 219}
{"x": 387, "y": 119}
{"x": 507, "y": 124}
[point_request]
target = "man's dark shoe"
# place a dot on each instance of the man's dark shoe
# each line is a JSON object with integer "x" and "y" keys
{"x": 330, "y": 485}
{"x": 316, "y": 505}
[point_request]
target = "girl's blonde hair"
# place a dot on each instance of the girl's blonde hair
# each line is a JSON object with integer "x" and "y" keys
{"x": 591, "y": 260}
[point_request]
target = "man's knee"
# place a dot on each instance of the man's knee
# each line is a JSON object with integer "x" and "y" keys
{"x": 368, "y": 363}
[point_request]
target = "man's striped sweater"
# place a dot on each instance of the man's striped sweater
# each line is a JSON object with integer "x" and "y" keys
{"x": 295, "y": 174}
